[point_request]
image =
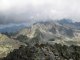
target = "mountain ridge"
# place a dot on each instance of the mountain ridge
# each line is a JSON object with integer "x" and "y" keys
{"x": 51, "y": 30}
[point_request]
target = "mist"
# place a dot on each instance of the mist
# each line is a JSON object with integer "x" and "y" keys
{"x": 29, "y": 11}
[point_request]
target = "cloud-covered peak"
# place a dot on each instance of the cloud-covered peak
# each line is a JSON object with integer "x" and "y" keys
{"x": 35, "y": 10}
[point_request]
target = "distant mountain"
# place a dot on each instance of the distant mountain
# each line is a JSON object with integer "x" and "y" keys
{"x": 51, "y": 31}
{"x": 65, "y": 21}
{"x": 70, "y": 23}
{"x": 49, "y": 40}
{"x": 12, "y": 29}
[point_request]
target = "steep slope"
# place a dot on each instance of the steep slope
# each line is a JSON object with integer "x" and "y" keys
{"x": 45, "y": 52}
{"x": 45, "y": 41}
{"x": 7, "y": 45}
{"x": 52, "y": 32}
{"x": 47, "y": 29}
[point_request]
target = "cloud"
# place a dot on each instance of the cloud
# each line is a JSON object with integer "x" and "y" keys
{"x": 35, "y": 10}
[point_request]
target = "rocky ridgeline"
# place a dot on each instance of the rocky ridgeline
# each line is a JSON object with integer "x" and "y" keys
{"x": 44, "y": 41}
{"x": 7, "y": 45}
{"x": 52, "y": 32}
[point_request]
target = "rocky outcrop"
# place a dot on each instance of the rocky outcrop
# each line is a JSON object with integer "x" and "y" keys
{"x": 45, "y": 52}
{"x": 51, "y": 30}
{"x": 44, "y": 41}
{"x": 7, "y": 45}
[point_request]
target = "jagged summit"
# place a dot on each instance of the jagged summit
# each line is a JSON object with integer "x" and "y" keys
{"x": 51, "y": 31}
{"x": 39, "y": 36}
{"x": 49, "y": 28}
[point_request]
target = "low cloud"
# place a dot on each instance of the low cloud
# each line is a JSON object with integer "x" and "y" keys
{"x": 35, "y": 10}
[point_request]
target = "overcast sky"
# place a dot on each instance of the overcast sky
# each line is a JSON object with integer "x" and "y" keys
{"x": 35, "y": 10}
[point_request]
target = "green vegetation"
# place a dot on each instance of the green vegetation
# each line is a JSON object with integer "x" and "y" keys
{"x": 52, "y": 39}
{"x": 22, "y": 38}
{"x": 45, "y": 52}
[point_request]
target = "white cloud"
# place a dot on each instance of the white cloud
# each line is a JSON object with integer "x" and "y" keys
{"x": 41, "y": 9}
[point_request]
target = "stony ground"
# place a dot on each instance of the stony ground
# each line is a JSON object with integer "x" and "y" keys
{"x": 45, "y": 52}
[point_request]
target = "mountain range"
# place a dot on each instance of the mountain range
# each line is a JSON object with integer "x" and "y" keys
{"x": 41, "y": 39}
{"x": 60, "y": 33}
